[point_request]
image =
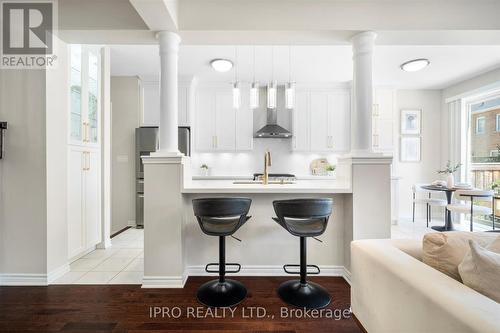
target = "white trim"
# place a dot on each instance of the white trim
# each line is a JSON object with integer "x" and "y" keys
{"x": 57, "y": 273}
{"x": 479, "y": 93}
{"x": 266, "y": 270}
{"x": 23, "y": 280}
{"x": 164, "y": 281}
{"x": 347, "y": 276}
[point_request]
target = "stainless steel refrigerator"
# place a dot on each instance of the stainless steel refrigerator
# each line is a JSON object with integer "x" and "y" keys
{"x": 146, "y": 142}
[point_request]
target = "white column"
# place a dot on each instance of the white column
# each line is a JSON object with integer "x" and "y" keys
{"x": 362, "y": 88}
{"x": 169, "y": 57}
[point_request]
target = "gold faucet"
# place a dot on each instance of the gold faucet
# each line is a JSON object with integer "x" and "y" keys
{"x": 267, "y": 164}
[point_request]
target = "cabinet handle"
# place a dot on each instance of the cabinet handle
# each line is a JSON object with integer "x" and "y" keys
{"x": 375, "y": 110}
{"x": 88, "y": 164}
{"x": 84, "y": 130}
{"x": 83, "y": 160}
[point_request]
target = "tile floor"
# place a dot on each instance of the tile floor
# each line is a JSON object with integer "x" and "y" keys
{"x": 123, "y": 263}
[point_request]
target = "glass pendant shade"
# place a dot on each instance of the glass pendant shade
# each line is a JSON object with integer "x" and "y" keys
{"x": 236, "y": 95}
{"x": 272, "y": 95}
{"x": 290, "y": 95}
{"x": 254, "y": 95}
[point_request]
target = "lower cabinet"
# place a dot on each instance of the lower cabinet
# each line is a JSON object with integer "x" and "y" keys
{"x": 84, "y": 197}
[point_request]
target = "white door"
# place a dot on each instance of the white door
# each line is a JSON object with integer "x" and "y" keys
{"x": 225, "y": 134}
{"x": 320, "y": 139}
{"x": 339, "y": 121}
{"x": 76, "y": 234}
{"x": 205, "y": 120}
{"x": 300, "y": 140}
{"x": 92, "y": 199}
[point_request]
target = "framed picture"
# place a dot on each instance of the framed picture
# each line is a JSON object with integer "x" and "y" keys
{"x": 411, "y": 121}
{"x": 410, "y": 149}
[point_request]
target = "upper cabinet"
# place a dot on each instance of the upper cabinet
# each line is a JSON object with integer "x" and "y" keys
{"x": 150, "y": 106}
{"x": 321, "y": 120}
{"x": 384, "y": 101}
{"x": 85, "y": 72}
{"x": 219, "y": 126}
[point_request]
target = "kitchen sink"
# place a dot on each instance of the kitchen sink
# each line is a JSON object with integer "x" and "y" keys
{"x": 257, "y": 182}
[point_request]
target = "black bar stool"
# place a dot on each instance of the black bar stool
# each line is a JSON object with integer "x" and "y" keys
{"x": 303, "y": 218}
{"x": 221, "y": 217}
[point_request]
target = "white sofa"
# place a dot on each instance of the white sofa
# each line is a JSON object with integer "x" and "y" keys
{"x": 393, "y": 291}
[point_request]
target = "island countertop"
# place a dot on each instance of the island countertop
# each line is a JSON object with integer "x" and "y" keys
{"x": 300, "y": 186}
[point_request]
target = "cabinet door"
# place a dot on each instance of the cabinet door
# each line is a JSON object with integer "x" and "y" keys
{"x": 339, "y": 120}
{"x": 150, "y": 104}
{"x": 225, "y": 134}
{"x": 300, "y": 139}
{"x": 92, "y": 197}
{"x": 205, "y": 120}
{"x": 94, "y": 96}
{"x": 244, "y": 125}
{"x": 320, "y": 139}
{"x": 76, "y": 235}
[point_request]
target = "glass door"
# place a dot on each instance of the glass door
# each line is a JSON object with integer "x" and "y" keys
{"x": 93, "y": 96}
{"x": 76, "y": 117}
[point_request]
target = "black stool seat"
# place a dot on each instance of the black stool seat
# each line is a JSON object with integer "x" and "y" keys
{"x": 303, "y": 218}
{"x": 221, "y": 217}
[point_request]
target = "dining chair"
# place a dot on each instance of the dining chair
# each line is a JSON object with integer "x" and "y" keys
{"x": 425, "y": 198}
{"x": 466, "y": 200}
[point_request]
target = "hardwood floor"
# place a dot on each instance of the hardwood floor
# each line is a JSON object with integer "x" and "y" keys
{"x": 128, "y": 308}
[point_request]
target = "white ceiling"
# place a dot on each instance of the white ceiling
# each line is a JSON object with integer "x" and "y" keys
{"x": 449, "y": 64}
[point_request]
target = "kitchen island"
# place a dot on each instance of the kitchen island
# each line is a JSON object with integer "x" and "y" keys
{"x": 176, "y": 248}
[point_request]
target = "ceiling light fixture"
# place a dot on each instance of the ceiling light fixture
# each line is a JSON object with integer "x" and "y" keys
{"x": 272, "y": 86}
{"x": 415, "y": 65}
{"x": 254, "y": 89}
{"x": 236, "y": 84}
{"x": 221, "y": 65}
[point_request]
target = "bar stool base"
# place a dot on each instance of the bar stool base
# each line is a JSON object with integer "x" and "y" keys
{"x": 309, "y": 295}
{"x": 221, "y": 294}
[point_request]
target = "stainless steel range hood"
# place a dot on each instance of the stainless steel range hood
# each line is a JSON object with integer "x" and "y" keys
{"x": 272, "y": 129}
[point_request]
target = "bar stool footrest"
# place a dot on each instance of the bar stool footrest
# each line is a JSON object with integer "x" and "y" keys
{"x": 236, "y": 270}
{"x": 316, "y": 270}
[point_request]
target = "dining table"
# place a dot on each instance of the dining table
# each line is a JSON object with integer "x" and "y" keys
{"x": 448, "y": 223}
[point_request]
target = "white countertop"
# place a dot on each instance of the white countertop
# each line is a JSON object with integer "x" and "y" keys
{"x": 301, "y": 186}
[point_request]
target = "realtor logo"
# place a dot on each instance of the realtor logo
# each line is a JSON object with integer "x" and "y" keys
{"x": 27, "y": 33}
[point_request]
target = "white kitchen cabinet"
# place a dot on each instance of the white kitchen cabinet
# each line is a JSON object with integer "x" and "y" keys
{"x": 321, "y": 121}
{"x": 220, "y": 127}
{"x": 84, "y": 208}
{"x": 150, "y": 106}
{"x": 383, "y": 120}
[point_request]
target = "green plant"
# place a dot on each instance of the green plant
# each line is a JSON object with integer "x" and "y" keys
{"x": 450, "y": 168}
{"x": 204, "y": 166}
{"x": 495, "y": 185}
{"x": 330, "y": 167}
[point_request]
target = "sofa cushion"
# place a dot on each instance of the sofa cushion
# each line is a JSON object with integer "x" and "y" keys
{"x": 445, "y": 251}
{"x": 480, "y": 269}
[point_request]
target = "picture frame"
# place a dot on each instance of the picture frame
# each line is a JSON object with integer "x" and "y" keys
{"x": 410, "y": 149}
{"x": 411, "y": 122}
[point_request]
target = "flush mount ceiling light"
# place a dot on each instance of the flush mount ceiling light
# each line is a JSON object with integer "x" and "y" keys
{"x": 221, "y": 65}
{"x": 415, "y": 65}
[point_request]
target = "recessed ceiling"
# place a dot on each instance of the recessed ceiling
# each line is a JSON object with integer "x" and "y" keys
{"x": 314, "y": 64}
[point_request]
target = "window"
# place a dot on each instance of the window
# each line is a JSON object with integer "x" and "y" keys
{"x": 498, "y": 122}
{"x": 480, "y": 125}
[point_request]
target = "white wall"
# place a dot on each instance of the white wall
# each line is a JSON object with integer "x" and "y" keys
{"x": 23, "y": 182}
{"x": 429, "y": 101}
{"x": 57, "y": 123}
{"x": 125, "y": 99}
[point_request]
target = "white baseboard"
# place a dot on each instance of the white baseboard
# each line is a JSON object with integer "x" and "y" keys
{"x": 164, "y": 281}
{"x": 106, "y": 244}
{"x": 57, "y": 273}
{"x": 23, "y": 280}
{"x": 269, "y": 270}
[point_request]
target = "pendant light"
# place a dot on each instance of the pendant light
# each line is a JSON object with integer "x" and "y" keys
{"x": 290, "y": 86}
{"x": 272, "y": 86}
{"x": 236, "y": 84}
{"x": 254, "y": 88}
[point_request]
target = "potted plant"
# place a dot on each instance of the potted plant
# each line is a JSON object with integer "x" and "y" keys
{"x": 204, "y": 169}
{"x": 449, "y": 170}
{"x": 495, "y": 186}
{"x": 330, "y": 170}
